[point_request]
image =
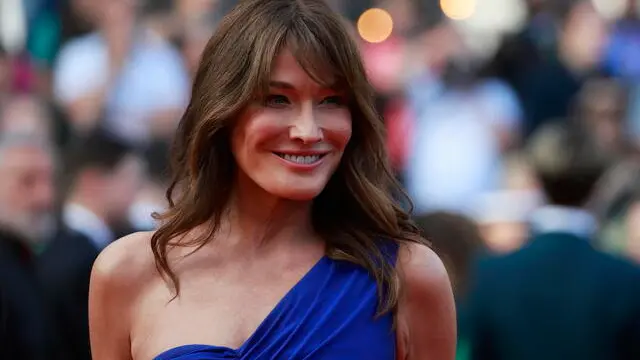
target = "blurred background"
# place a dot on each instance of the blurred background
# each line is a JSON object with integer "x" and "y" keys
{"x": 91, "y": 92}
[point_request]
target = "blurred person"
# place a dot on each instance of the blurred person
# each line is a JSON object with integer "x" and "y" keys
{"x": 503, "y": 215}
{"x": 26, "y": 114}
{"x": 124, "y": 70}
{"x": 531, "y": 46}
{"x": 458, "y": 139}
{"x": 27, "y": 328}
{"x": 194, "y": 40}
{"x": 158, "y": 17}
{"x": 548, "y": 64}
{"x": 27, "y": 186}
{"x": 613, "y": 197}
{"x": 601, "y": 107}
{"x": 194, "y": 10}
{"x": 457, "y": 240}
{"x": 621, "y": 231}
{"x": 621, "y": 56}
{"x": 426, "y": 57}
{"x": 151, "y": 198}
{"x": 105, "y": 176}
{"x": 77, "y": 18}
{"x": 503, "y": 219}
{"x": 16, "y": 74}
{"x": 282, "y": 230}
{"x": 558, "y": 297}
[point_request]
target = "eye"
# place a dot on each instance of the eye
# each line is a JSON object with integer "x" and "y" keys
{"x": 276, "y": 101}
{"x": 333, "y": 101}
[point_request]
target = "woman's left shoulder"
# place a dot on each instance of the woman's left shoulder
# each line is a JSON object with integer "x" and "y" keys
{"x": 426, "y": 310}
{"x": 421, "y": 268}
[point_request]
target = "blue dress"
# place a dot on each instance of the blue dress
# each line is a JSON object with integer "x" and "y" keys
{"x": 328, "y": 314}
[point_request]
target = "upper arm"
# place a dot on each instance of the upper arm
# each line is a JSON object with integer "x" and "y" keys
{"x": 426, "y": 312}
{"x": 112, "y": 292}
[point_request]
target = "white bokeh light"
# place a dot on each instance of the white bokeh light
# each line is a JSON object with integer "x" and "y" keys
{"x": 610, "y": 9}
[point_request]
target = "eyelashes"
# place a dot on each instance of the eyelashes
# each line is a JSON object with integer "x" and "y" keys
{"x": 276, "y": 101}
{"x": 334, "y": 100}
{"x": 282, "y": 101}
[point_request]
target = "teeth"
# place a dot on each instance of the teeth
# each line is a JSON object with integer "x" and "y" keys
{"x": 301, "y": 159}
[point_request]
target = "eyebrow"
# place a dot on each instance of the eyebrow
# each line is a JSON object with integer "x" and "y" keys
{"x": 281, "y": 85}
{"x": 287, "y": 86}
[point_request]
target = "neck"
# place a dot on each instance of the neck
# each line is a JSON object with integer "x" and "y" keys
{"x": 258, "y": 219}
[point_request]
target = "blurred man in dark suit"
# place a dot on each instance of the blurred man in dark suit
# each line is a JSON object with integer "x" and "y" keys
{"x": 27, "y": 330}
{"x": 558, "y": 297}
{"x": 105, "y": 176}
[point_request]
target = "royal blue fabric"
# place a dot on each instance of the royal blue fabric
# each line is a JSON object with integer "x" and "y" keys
{"x": 329, "y": 314}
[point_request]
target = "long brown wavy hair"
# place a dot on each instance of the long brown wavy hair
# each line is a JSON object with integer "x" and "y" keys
{"x": 357, "y": 208}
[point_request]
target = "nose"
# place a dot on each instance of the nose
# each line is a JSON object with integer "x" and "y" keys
{"x": 43, "y": 195}
{"x": 305, "y": 127}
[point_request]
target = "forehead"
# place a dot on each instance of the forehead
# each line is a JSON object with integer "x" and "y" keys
{"x": 286, "y": 68}
{"x": 25, "y": 158}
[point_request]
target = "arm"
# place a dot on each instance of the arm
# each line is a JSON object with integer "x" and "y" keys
{"x": 426, "y": 312}
{"x": 109, "y": 305}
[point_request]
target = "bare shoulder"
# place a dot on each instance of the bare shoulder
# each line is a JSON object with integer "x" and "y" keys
{"x": 117, "y": 280}
{"x": 124, "y": 262}
{"x": 426, "y": 310}
{"x": 422, "y": 269}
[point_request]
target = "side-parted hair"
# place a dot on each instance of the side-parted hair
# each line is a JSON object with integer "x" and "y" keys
{"x": 356, "y": 214}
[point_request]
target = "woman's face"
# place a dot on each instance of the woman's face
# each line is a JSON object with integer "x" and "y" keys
{"x": 290, "y": 141}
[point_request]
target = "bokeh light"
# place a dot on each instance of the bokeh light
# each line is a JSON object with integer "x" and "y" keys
{"x": 458, "y": 9}
{"x": 610, "y": 9}
{"x": 375, "y": 25}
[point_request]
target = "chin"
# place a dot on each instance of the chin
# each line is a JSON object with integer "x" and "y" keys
{"x": 298, "y": 193}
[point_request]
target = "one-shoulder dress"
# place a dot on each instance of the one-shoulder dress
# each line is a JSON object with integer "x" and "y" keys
{"x": 329, "y": 314}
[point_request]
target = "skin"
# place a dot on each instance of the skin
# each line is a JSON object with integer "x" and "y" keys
{"x": 27, "y": 191}
{"x": 264, "y": 247}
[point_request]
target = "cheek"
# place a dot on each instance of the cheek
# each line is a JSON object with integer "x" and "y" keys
{"x": 337, "y": 129}
{"x": 252, "y": 133}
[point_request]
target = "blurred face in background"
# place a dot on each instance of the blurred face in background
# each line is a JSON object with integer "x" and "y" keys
{"x": 603, "y": 108}
{"x": 115, "y": 15}
{"x": 504, "y": 237}
{"x": 27, "y": 191}
{"x": 584, "y": 37}
{"x": 25, "y": 115}
{"x": 119, "y": 187}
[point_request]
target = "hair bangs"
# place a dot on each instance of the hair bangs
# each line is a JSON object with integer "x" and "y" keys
{"x": 316, "y": 57}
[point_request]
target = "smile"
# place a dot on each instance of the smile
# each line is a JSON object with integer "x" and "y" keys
{"x": 301, "y": 159}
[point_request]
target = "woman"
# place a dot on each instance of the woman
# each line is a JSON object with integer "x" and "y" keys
{"x": 282, "y": 240}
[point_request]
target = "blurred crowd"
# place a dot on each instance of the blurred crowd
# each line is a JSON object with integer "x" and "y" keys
{"x": 477, "y": 114}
